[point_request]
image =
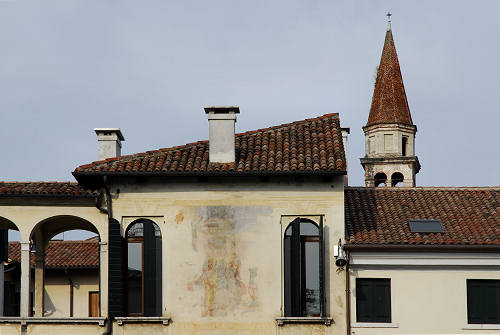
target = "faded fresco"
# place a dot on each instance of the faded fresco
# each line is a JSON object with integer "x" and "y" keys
{"x": 218, "y": 233}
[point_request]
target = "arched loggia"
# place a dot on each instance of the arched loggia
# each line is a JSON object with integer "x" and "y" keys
{"x": 71, "y": 269}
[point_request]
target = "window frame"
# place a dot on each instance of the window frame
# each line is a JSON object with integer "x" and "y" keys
{"x": 483, "y": 319}
{"x": 316, "y": 220}
{"x": 140, "y": 239}
{"x": 373, "y": 319}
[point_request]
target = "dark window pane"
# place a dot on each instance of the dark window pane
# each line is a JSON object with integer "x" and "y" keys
{"x": 301, "y": 269}
{"x": 483, "y": 301}
{"x": 312, "y": 279}
{"x": 373, "y": 300}
{"x": 134, "y": 278}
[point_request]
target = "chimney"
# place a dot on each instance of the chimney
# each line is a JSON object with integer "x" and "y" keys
{"x": 109, "y": 142}
{"x": 221, "y": 120}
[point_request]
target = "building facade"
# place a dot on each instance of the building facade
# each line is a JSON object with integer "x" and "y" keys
{"x": 257, "y": 233}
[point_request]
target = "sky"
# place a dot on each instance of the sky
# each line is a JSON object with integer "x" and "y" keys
{"x": 149, "y": 68}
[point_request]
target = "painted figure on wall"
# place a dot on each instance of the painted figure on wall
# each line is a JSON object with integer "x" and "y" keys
{"x": 215, "y": 233}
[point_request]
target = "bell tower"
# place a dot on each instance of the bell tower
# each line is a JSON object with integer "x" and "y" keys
{"x": 390, "y": 158}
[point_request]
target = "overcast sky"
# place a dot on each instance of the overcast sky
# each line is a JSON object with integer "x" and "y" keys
{"x": 149, "y": 67}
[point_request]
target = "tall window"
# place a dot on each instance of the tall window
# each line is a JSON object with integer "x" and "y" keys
{"x": 303, "y": 258}
{"x": 144, "y": 269}
{"x": 483, "y": 301}
{"x": 404, "y": 143}
{"x": 373, "y": 300}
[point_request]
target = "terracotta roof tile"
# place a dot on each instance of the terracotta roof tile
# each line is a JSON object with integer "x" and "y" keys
{"x": 470, "y": 216}
{"x": 64, "y": 254}
{"x": 312, "y": 145}
{"x": 37, "y": 189}
{"x": 389, "y": 104}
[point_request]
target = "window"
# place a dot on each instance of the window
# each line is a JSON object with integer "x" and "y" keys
{"x": 380, "y": 179}
{"x": 303, "y": 268}
{"x": 426, "y": 226}
{"x": 373, "y": 300}
{"x": 396, "y": 178}
{"x": 404, "y": 142}
{"x": 144, "y": 269}
{"x": 483, "y": 301}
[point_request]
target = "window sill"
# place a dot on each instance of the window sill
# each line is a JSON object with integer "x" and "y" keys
{"x": 165, "y": 320}
{"x": 479, "y": 326}
{"x": 47, "y": 320}
{"x": 317, "y": 320}
{"x": 374, "y": 325}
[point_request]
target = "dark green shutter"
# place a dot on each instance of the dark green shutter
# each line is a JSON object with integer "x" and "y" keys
{"x": 483, "y": 301}
{"x": 373, "y": 300}
{"x": 4, "y": 245}
{"x": 149, "y": 274}
{"x": 293, "y": 294}
{"x": 321, "y": 270}
{"x": 116, "y": 270}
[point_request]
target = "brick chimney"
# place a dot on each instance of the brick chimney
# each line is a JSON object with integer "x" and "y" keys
{"x": 109, "y": 142}
{"x": 221, "y": 120}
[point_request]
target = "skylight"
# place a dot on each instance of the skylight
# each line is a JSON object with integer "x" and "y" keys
{"x": 426, "y": 226}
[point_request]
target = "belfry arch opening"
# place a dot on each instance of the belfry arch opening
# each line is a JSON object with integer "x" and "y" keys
{"x": 65, "y": 268}
{"x": 397, "y": 179}
{"x": 380, "y": 179}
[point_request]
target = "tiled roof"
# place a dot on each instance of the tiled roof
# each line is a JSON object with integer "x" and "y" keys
{"x": 470, "y": 216}
{"x": 65, "y": 189}
{"x": 389, "y": 104}
{"x": 309, "y": 146}
{"x": 64, "y": 254}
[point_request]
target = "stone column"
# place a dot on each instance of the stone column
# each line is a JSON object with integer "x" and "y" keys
{"x": 103, "y": 275}
{"x": 25, "y": 279}
{"x": 39, "y": 281}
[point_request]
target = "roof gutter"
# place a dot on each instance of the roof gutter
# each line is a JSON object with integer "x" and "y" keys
{"x": 211, "y": 174}
{"x": 422, "y": 247}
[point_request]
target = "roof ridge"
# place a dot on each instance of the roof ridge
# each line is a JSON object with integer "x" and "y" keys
{"x": 179, "y": 147}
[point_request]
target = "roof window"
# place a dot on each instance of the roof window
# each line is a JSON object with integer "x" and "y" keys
{"x": 426, "y": 226}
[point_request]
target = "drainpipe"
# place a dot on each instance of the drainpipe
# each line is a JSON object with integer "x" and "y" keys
{"x": 348, "y": 295}
{"x": 109, "y": 320}
{"x": 70, "y": 293}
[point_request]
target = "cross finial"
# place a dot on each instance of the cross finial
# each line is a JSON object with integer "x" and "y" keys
{"x": 388, "y": 20}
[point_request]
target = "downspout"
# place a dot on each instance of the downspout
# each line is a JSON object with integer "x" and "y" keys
{"x": 109, "y": 320}
{"x": 348, "y": 295}
{"x": 70, "y": 293}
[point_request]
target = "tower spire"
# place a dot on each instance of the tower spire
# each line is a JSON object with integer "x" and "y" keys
{"x": 389, "y": 104}
{"x": 390, "y": 158}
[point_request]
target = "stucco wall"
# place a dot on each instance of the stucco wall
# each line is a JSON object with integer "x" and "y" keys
{"x": 424, "y": 300}
{"x": 236, "y": 230}
{"x": 57, "y": 292}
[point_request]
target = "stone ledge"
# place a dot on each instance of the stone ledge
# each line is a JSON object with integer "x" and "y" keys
{"x": 479, "y": 326}
{"x": 165, "y": 320}
{"x": 374, "y": 325}
{"x": 47, "y": 320}
{"x": 303, "y": 320}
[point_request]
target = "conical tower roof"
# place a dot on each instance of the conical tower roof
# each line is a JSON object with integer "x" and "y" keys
{"x": 389, "y": 104}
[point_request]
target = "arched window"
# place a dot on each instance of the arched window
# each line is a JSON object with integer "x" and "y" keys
{"x": 144, "y": 294}
{"x": 303, "y": 269}
{"x": 380, "y": 179}
{"x": 396, "y": 178}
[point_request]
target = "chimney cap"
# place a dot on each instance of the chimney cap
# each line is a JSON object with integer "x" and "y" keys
{"x": 222, "y": 109}
{"x": 116, "y": 131}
